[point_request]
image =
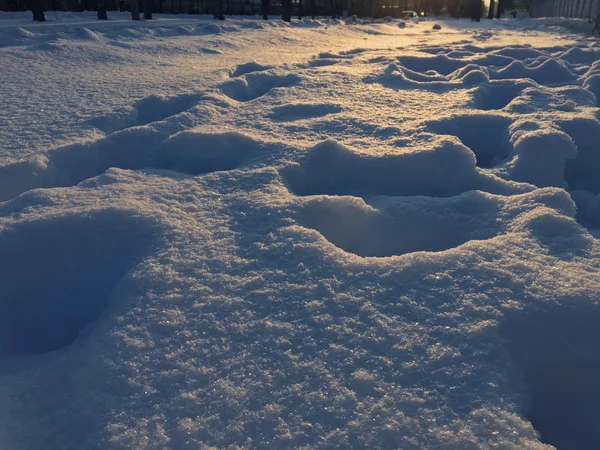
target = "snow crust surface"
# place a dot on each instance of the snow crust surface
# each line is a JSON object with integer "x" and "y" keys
{"x": 329, "y": 234}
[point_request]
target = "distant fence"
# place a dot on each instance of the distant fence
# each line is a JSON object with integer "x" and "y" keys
{"x": 583, "y": 9}
{"x": 230, "y": 7}
{"x": 233, "y": 7}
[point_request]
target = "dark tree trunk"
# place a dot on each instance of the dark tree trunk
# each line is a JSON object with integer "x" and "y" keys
{"x": 375, "y": 10}
{"x": 38, "y": 11}
{"x": 476, "y": 10}
{"x": 299, "y": 9}
{"x": 491, "y": 11}
{"x": 266, "y": 5}
{"x": 147, "y": 5}
{"x": 286, "y": 10}
{"x": 219, "y": 10}
{"x": 102, "y": 10}
{"x": 312, "y": 10}
{"x": 135, "y": 9}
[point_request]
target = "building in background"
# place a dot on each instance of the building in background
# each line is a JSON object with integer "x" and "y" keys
{"x": 364, "y": 8}
{"x": 583, "y": 9}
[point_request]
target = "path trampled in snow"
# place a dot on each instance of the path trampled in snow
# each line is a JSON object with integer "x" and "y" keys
{"x": 325, "y": 235}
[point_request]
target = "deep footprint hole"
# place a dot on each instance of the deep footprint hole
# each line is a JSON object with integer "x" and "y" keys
{"x": 301, "y": 111}
{"x": 560, "y": 363}
{"x": 406, "y": 225}
{"x": 257, "y": 84}
{"x": 495, "y": 97}
{"x": 486, "y": 135}
{"x": 58, "y": 275}
{"x": 153, "y": 108}
{"x": 581, "y": 173}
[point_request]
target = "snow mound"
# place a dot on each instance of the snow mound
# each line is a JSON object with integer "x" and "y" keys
{"x": 391, "y": 226}
{"x": 86, "y": 35}
{"x": 399, "y": 78}
{"x": 16, "y": 36}
{"x": 150, "y": 109}
{"x": 249, "y": 67}
{"x": 540, "y": 155}
{"x": 485, "y": 134}
{"x": 209, "y": 28}
{"x": 578, "y": 55}
{"x": 22, "y": 33}
{"x": 447, "y": 169}
{"x": 188, "y": 152}
{"x": 550, "y": 71}
{"x": 322, "y": 62}
{"x": 441, "y": 64}
{"x": 195, "y": 153}
{"x": 254, "y": 85}
{"x": 541, "y": 98}
{"x": 353, "y": 52}
{"x": 210, "y": 51}
{"x": 77, "y": 261}
{"x": 520, "y": 53}
{"x": 592, "y": 84}
{"x": 300, "y": 111}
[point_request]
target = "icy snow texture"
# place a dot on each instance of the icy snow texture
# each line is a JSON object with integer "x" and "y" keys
{"x": 259, "y": 235}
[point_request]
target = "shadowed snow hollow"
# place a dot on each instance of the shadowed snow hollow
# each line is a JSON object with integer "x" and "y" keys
{"x": 58, "y": 274}
{"x": 583, "y": 171}
{"x": 485, "y": 134}
{"x": 445, "y": 170}
{"x": 395, "y": 226}
{"x": 144, "y": 111}
{"x": 388, "y": 226}
{"x": 558, "y": 356}
{"x": 256, "y": 84}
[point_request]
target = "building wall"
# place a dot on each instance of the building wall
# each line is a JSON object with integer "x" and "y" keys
{"x": 583, "y": 9}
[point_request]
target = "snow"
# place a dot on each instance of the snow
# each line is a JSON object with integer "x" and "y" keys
{"x": 325, "y": 234}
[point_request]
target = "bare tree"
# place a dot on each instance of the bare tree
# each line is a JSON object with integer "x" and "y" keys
{"x": 491, "y": 11}
{"x": 500, "y": 9}
{"x": 135, "y": 9}
{"x": 375, "y": 8}
{"x": 38, "y": 11}
{"x": 286, "y": 10}
{"x": 102, "y": 10}
{"x": 147, "y": 5}
{"x": 219, "y": 10}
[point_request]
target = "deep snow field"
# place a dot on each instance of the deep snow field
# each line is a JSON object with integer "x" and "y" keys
{"x": 329, "y": 234}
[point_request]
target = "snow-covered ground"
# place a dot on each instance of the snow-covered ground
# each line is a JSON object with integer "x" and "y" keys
{"x": 328, "y": 234}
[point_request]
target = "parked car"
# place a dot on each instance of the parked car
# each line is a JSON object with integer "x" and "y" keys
{"x": 409, "y": 15}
